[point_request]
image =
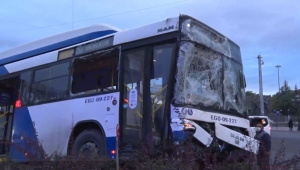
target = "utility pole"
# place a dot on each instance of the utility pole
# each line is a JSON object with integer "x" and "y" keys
{"x": 260, "y": 62}
{"x": 277, "y": 112}
{"x": 278, "y": 66}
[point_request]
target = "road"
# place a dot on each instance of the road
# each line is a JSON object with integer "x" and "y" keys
{"x": 291, "y": 141}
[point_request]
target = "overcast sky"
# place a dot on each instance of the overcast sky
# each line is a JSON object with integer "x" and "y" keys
{"x": 269, "y": 27}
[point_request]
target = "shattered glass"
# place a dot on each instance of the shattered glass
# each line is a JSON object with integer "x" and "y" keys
{"x": 234, "y": 93}
{"x": 194, "y": 31}
{"x": 209, "y": 69}
{"x": 199, "y": 76}
{"x": 93, "y": 73}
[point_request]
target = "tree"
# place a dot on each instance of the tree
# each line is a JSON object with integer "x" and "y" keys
{"x": 250, "y": 93}
{"x": 295, "y": 100}
{"x": 296, "y": 90}
{"x": 285, "y": 88}
{"x": 283, "y": 100}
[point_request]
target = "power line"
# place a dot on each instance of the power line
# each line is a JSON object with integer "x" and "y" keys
{"x": 106, "y": 16}
{"x": 157, "y": 6}
{"x": 15, "y": 22}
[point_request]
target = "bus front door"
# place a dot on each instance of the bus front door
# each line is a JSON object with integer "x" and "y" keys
{"x": 6, "y": 111}
{"x": 144, "y": 112}
{"x": 131, "y": 117}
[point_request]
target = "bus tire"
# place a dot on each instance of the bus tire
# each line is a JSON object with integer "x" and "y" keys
{"x": 89, "y": 138}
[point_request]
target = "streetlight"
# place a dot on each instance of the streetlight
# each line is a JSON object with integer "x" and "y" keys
{"x": 278, "y": 66}
{"x": 260, "y": 62}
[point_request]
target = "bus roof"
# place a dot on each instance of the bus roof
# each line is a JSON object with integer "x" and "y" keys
{"x": 55, "y": 42}
{"x": 46, "y": 50}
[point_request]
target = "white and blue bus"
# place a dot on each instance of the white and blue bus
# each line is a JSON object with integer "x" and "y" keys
{"x": 68, "y": 92}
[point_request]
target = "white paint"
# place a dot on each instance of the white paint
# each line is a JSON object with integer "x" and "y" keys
{"x": 32, "y": 62}
{"x": 146, "y": 31}
{"x": 222, "y": 132}
{"x": 200, "y": 134}
{"x": 133, "y": 98}
{"x": 53, "y": 121}
{"x": 212, "y": 117}
{"x": 110, "y": 121}
{"x": 138, "y": 33}
{"x": 176, "y": 125}
{"x": 236, "y": 139}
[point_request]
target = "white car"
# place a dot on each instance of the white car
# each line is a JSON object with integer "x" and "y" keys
{"x": 263, "y": 119}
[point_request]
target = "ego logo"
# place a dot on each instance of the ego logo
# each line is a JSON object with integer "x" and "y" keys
{"x": 177, "y": 110}
{"x": 190, "y": 112}
{"x": 185, "y": 111}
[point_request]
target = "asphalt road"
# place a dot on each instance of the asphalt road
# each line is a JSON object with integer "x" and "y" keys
{"x": 291, "y": 142}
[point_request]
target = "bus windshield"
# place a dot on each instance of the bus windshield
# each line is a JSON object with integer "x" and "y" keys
{"x": 209, "y": 72}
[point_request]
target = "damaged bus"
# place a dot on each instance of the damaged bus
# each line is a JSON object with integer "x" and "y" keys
{"x": 69, "y": 92}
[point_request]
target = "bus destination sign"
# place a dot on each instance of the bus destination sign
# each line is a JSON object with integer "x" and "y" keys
{"x": 94, "y": 46}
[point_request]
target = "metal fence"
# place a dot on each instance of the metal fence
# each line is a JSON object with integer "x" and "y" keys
{"x": 282, "y": 121}
{"x": 282, "y": 118}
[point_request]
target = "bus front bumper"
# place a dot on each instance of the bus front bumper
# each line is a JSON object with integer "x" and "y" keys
{"x": 223, "y": 133}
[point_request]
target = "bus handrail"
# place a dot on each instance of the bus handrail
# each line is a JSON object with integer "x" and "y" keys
{"x": 1, "y": 126}
{"x": 4, "y": 114}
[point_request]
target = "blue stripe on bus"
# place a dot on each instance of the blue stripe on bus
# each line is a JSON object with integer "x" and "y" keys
{"x": 179, "y": 135}
{"x": 56, "y": 46}
{"x": 23, "y": 128}
{"x": 3, "y": 70}
{"x": 111, "y": 145}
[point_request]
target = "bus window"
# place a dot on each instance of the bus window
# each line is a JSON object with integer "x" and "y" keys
{"x": 95, "y": 73}
{"x": 50, "y": 83}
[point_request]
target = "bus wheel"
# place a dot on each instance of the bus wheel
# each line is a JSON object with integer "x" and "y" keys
{"x": 89, "y": 143}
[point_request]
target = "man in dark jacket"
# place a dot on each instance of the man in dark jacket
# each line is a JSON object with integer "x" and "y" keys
{"x": 263, "y": 156}
{"x": 291, "y": 125}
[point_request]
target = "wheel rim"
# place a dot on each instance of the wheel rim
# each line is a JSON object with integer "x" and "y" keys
{"x": 89, "y": 149}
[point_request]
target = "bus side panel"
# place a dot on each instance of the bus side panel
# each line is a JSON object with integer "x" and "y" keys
{"x": 23, "y": 135}
{"x": 53, "y": 121}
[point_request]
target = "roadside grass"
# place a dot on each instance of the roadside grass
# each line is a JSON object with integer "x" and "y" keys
{"x": 175, "y": 157}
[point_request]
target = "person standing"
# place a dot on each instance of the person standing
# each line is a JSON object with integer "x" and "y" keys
{"x": 291, "y": 125}
{"x": 263, "y": 155}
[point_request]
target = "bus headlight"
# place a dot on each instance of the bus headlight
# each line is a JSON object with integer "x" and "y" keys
{"x": 188, "y": 126}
